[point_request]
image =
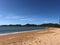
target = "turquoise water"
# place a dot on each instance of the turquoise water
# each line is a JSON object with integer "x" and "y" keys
{"x": 10, "y": 29}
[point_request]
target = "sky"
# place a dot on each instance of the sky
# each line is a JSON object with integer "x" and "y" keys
{"x": 29, "y": 11}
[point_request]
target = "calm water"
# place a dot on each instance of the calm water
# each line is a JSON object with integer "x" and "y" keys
{"x": 17, "y": 29}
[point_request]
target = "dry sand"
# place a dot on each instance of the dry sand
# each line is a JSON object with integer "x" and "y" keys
{"x": 40, "y": 37}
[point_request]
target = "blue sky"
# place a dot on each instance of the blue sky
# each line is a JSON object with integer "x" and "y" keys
{"x": 29, "y": 11}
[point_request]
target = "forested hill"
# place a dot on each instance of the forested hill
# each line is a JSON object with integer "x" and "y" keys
{"x": 41, "y": 25}
{"x": 50, "y": 25}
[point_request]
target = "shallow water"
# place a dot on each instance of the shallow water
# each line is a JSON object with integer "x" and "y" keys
{"x": 10, "y": 29}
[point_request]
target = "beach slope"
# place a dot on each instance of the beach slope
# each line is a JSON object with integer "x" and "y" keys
{"x": 50, "y": 36}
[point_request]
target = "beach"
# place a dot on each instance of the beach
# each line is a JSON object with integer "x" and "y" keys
{"x": 50, "y": 36}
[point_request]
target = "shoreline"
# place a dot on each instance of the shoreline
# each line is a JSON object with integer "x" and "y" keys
{"x": 44, "y": 28}
{"x": 20, "y": 32}
{"x": 50, "y": 36}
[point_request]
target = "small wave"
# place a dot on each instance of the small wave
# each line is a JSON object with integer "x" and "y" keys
{"x": 15, "y": 32}
{"x": 19, "y": 32}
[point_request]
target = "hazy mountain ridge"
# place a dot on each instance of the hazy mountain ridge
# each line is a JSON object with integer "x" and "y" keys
{"x": 41, "y": 25}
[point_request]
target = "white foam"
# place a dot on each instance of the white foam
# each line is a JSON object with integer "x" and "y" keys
{"x": 16, "y": 32}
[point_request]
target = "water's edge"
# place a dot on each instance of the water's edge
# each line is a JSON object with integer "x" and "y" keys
{"x": 23, "y": 31}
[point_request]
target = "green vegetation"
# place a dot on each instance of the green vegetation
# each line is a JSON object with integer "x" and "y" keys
{"x": 50, "y": 25}
{"x": 41, "y": 25}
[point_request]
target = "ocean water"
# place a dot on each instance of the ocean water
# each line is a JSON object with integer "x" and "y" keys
{"x": 11, "y": 29}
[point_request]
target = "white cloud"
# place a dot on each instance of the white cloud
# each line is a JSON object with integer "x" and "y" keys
{"x": 47, "y": 21}
{"x": 26, "y": 19}
{"x": 13, "y": 17}
{"x": 21, "y": 18}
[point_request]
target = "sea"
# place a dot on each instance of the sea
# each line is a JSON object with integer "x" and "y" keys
{"x": 4, "y": 30}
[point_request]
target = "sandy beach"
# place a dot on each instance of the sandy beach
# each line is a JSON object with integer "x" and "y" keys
{"x": 50, "y": 36}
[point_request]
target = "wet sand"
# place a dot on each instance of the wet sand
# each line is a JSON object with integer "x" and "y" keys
{"x": 50, "y": 36}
